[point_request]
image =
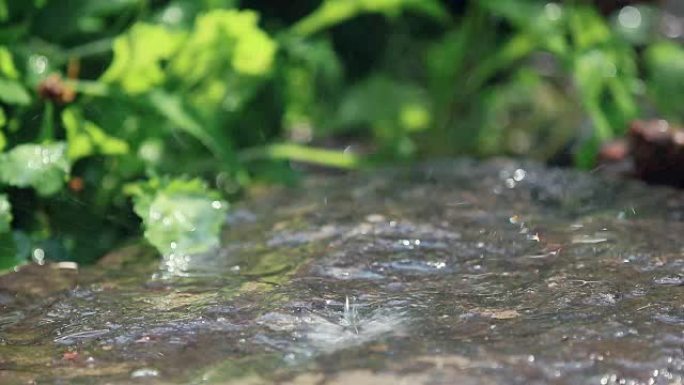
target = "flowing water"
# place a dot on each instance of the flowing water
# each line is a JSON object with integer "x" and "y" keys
{"x": 450, "y": 273}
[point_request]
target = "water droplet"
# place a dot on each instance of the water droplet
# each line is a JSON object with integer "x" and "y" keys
{"x": 39, "y": 256}
{"x": 38, "y": 64}
{"x": 519, "y": 175}
{"x": 173, "y": 14}
{"x": 630, "y": 17}
{"x": 670, "y": 280}
{"x": 553, "y": 11}
{"x": 144, "y": 372}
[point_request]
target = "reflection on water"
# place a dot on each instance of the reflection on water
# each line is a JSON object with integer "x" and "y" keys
{"x": 456, "y": 272}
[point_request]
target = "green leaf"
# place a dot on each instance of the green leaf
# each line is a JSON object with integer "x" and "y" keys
{"x": 85, "y": 138}
{"x": 4, "y": 10}
{"x": 5, "y": 214}
{"x": 12, "y": 92}
{"x": 43, "y": 167}
{"x": 588, "y": 28}
{"x": 3, "y": 122}
{"x": 9, "y": 252}
{"x": 300, "y": 153}
{"x": 222, "y": 40}
{"x": 138, "y": 56}
{"x": 180, "y": 216}
{"x": 333, "y": 12}
{"x": 312, "y": 71}
{"x": 665, "y": 68}
{"x": 7, "y": 68}
{"x": 391, "y": 107}
{"x": 544, "y": 24}
{"x": 171, "y": 106}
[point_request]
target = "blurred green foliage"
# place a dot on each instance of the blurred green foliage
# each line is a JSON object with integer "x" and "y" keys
{"x": 112, "y": 112}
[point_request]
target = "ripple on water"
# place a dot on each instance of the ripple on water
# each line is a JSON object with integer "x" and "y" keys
{"x": 453, "y": 270}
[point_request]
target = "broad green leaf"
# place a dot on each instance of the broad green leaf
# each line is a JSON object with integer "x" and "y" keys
{"x": 180, "y": 217}
{"x": 222, "y": 40}
{"x": 223, "y": 63}
{"x": 544, "y": 23}
{"x": 9, "y": 252}
{"x": 5, "y": 214}
{"x": 312, "y": 71}
{"x": 592, "y": 71}
{"x": 301, "y": 153}
{"x": 3, "y": 122}
{"x": 391, "y": 107}
{"x": 12, "y": 92}
{"x": 588, "y": 28}
{"x": 171, "y": 106}
{"x": 665, "y": 68}
{"x": 7, "y": 68}
{"x": 4, "y": 10}
{"x": 138, "y": 57}
{"x": 42, "y": 167}
{"x": 527, "y": 116}
{"x": 333, "y": 12}
{"x": 85, "y": 138}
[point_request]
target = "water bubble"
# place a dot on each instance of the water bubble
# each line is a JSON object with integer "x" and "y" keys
{"x": 172, "y": 15}
{"x": 375, "y": 218}
{"x": 437, "y": 264}
{"x": 144, "y": 372}
{"x": 519, "y": 175}
{"x": 630, "y": 17}
{"x": 38, "y": 64}
{"x": 39, "y": 256}
{"x": 553, "y": 11}
{"x": 672, "y": 26}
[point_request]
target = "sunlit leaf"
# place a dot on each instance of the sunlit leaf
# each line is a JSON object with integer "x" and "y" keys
{"x": 223, "y": 63}
{"x": 225, "y": 39}
{"x": 588, "y": 28}
{"x": 414, "y": 117}
{"x": 138, "y": 57}
{"x": 313, "y": 71}
{"x": 12, "y": 92}
{"x": 390, "y": 106}
{"x": 179, "y": 216}
{"x": 4, "y": 10}
{"x": 3, "y": 122}
{"x": 7, "y": 68}
{"x": 301, "y": 153}
{"x": 5, "y": 214}
{"x": 543, "y": 23}
{"x": 528, "y": 116}
{"x": 171, "y": 106}
{"x": 85, "y": 138}
{"x": 333, "y": 12}
{"x": 665, "y": 66}
{"x": 42, "y": 167}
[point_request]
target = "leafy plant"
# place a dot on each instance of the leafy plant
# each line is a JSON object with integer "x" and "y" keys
{"x": 145, "y": 117}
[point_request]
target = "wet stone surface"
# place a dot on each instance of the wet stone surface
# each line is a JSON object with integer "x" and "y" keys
{"x": 449, "y": 273}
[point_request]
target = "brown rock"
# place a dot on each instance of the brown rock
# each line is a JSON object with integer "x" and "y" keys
{"x": 658, "y": 151}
